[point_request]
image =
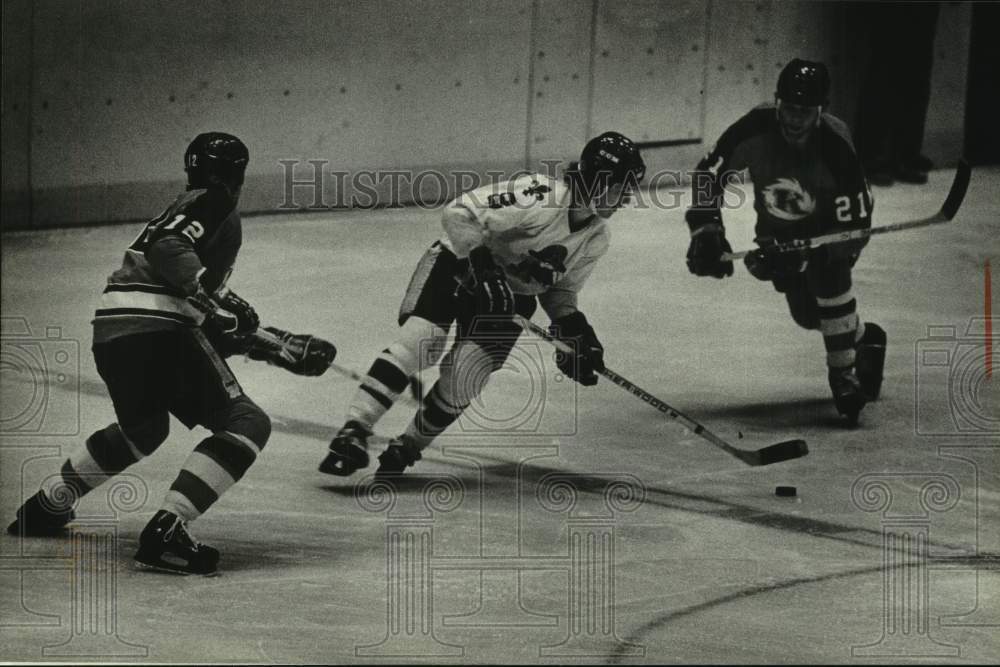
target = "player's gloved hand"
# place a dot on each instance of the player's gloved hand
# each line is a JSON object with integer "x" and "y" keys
{"x": 226, "y": 311}
{"x": 766, "y": 264}
{"x": 548, "y": 266}
{"x": 490, "y": 289}
{"x": 588, "y": 357}
{"x": 708, "y": 242}
{"x": 301, "y": 354}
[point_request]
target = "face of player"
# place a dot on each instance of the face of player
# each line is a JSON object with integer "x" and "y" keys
{"x": 615, "y": 197}
{"x": 797, "y": 122}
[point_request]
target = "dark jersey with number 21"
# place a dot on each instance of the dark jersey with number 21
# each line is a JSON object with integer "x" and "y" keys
{"x": 799, "y": 191}
{"x": 196, "y": 238}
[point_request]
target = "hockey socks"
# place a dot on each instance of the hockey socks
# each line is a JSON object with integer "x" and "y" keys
{"x": 105, "y": 453}
{"x": 464, "y": 374}
{"x": 216, "y": 464}
{"x": 870, "y": 360}
{"x": 419, "y": 345}
{"x": 838, "y": 322}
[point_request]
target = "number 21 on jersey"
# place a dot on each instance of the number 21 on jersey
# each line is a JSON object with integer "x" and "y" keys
{"x": 844, "y": 212}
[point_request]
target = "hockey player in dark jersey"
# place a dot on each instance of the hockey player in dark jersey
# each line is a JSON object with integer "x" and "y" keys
{"x": 165, "y": 321}
{"x": 505, "y": 249}
{"x": 807, "y": 180}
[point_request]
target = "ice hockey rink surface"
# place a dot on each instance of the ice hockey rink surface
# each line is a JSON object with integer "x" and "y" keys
{"x": 553, "y": 523}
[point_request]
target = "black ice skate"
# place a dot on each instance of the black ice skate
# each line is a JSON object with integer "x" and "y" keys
{"x": 166, "y": 545}
{"x": 40, "y": 517}
{"x": 399, "y": 455}
{"x": 847, "y": 394}
{"x": 871, "y": 360}
{"x": 348, "y": 450}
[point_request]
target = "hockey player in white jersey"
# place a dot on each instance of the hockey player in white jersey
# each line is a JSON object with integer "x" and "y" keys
{"x": 506, "y": 248}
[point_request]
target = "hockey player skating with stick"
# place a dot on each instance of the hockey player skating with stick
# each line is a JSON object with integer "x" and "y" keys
{"x": 533, "y": 240}
{"x": 807, "y": 180}
{"x": 156, "y": 360}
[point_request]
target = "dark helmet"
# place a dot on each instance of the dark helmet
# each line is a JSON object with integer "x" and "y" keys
{"x": 216, "y": 154}
{"x": 609, "y": 159}
{"x": 804, "y": 82}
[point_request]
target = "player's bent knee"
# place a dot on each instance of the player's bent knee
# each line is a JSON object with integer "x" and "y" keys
{"x": 419, "y": 340}
{"x": 248, "y": 420}
{"x": 806, "y": 318}
{"x": 148, "y": 435}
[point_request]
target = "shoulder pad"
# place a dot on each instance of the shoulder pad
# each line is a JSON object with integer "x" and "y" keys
{"x": 757, "y": 121}
{"x": 838, "y": 127}
{"x": 211, "y": 204}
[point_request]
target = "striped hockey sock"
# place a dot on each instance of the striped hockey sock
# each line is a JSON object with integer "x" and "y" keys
{"x": 419, "y": 345}
{"x": 106, "y": 453}
{"x": 216, "y": 464}
{"x": 464, "y": 373}
{"x": 387, "y": 378}
{"x": 841, "y": 328}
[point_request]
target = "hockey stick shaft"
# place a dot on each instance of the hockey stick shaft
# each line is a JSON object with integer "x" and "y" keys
{"x": 956, "y": 195}
{"x": 748, "y": 457}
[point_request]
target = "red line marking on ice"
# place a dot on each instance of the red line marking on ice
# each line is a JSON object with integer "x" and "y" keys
{"x": 987, "y": 311}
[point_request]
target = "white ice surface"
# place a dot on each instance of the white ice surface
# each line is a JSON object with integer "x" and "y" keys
{"x": 710, "y": 566}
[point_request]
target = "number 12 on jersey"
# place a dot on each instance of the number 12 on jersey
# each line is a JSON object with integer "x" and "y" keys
{"x": 192, "y": 229}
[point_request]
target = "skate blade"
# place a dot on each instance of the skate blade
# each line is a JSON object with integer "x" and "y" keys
{"x": 388, "y": 476}
{"x": 164, "y": 567}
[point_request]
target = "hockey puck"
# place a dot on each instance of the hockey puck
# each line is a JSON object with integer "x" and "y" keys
{"x": 785, "y": 491}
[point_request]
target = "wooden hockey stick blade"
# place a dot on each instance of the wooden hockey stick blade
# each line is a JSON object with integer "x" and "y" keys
{"x": 956, "y": 195}
{"x": 782, "y": 451}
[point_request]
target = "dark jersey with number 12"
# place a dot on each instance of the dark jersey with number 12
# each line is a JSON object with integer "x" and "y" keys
{"x": 196, "y": 238}
{"x": 799, "y": 191}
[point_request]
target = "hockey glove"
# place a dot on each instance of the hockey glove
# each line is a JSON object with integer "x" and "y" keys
{"x": 491, "y": 292}
{"x": 708, "y": 242}
{"x": 588, "y": 353}
{"x": 301, "y": 354}
{"x": 226, "y": 311}
{"x": 765, "y": 264}
{"x": 547, "y": 266}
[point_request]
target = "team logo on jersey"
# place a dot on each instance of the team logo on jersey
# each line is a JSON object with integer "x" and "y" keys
{"x": 537, "y": 190}
{"x": 786, "y": 199}
{"x": 544, "y": 266}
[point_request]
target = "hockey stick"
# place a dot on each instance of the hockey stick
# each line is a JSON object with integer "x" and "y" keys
{"x": 948, "y": 210}
{"x": 416, "y": 388}
{"x": 782, "y": 451}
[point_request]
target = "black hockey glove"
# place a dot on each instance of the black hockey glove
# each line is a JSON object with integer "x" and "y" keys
{"x": 301, "y": 354}
{"x": 489, "y": 288}
{"x": 547, "y": 266}
{"x": 765, "y": 264}
{"x": 226, "y": 311}
{"x": 588, "y": 357}
{"x": 708, "y": 242}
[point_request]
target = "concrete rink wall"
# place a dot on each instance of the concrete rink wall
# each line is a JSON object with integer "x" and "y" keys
{"x": 100, "y": 97}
